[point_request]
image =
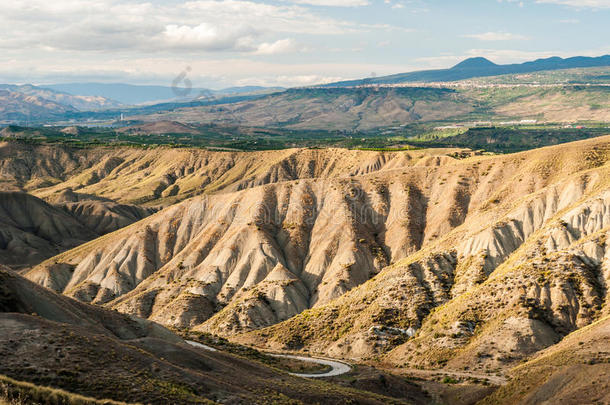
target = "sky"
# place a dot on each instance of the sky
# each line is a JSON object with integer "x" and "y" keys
{"x": 222, "y": 43}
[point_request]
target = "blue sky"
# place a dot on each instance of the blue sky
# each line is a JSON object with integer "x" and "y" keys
{"x": 286, "y": 43}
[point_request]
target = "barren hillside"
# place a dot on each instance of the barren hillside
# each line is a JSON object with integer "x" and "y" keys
{"x": 231, "y": 262}
{"x": 17, "y": 106}
{"x": 34, "y": 230}
{"x": 416, "y": 259}
{"x": 162, "y": 176}
{"x": 523, "y": 270}
{"x": 575, "y": 371}
{"x": 54, "y": 342}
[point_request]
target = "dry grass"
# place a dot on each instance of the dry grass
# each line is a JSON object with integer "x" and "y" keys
{"x": 13, "y": 392}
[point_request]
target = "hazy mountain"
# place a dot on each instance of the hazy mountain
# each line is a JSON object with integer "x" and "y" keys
{"x": 147, "y": 94}
{"x": 129, "y": 93}
{"x": 248, "y": 89}
{"x": 28, "y": 104}
{"x": 338, "y": 108}
{"x": 479, "y": 67}
{"x": 79, "y": 102}
{"x": 19, "y": 107}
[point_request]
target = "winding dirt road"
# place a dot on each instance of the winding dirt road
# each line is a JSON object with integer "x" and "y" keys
{"x": 337, "y": 368}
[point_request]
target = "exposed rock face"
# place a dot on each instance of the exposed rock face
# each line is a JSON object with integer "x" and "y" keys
{"x": 330, "y": 235}
{"x": 461, "y": 235}
{"x": 33, "y": 230}
{"x": 163, "y": 176}
{"x": 516, "y": 277}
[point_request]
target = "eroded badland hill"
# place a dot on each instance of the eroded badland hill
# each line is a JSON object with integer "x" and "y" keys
{"x": 431, "y": 259}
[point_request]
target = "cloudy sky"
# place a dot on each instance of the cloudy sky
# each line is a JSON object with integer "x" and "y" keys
{"x": 221, "y": 43}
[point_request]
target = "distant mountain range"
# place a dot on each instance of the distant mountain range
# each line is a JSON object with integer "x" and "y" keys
{"x": 143, "y": 94}
{"x": 78, "y": 102}
{"x": 479, "y": 67}
{"x": 95, "y": 101}
{"x": 19, "y": 107}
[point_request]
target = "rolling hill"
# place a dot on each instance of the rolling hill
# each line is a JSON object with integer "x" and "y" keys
{"x": 547, "y": 90}
{"x": 372, "y": 108}
{"x": 162, "y": 176}
{"x": 353, "y": 267}
{"x": 20, "y": 107}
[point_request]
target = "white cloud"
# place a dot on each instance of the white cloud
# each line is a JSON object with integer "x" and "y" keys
{"x": 333, "y": 3}
{"x": 136, "y": 25}
{"x": 518, "y": 2}
{"x": 570, "y": 21}
{"x": 496, "y": 36}
{"x": 285, "y": 18}
{"x": 579, "y": 3}
{"x": 152, "y": 41}
{"x": 209, "y": 37}
{"x": 208, "y": 72}
{"x": 280, "y": 46}
{"x": 289, "y": 81}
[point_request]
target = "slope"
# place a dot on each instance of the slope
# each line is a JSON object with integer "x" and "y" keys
{"x": 16, "y": 106}
{"x": 51, "y": 340}
{"x": 33, "y": 230}
{"x": 233, "y": 262}
{"x": 518, "y": 274}
{"x": 162, "y": 176}
{"x": 78, "y": 102}
{"x": 330, "y": 108}
{"x": 571, "y": 372}
{"x": 388, "y": 106}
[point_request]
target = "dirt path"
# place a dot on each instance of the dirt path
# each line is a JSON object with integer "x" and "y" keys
{"x": 337, "y": 368}
{"x": 201, "y": 345}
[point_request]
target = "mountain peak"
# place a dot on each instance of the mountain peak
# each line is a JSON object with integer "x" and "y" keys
{"x": 474, "y": 63}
